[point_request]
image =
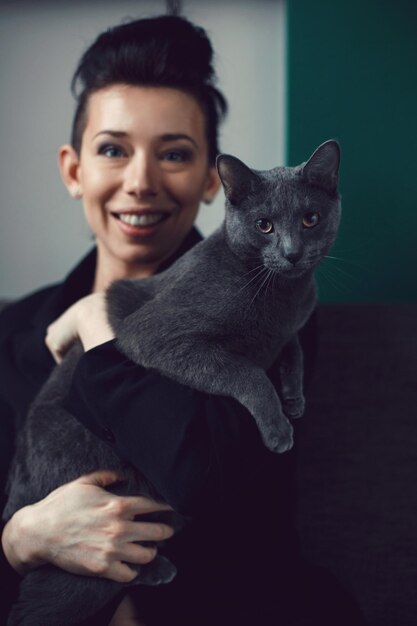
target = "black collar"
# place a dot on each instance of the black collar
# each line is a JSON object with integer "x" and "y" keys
{"x": 79, "y": 282}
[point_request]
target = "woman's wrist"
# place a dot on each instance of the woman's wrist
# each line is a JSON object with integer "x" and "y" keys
{"x": 20, "y": 546}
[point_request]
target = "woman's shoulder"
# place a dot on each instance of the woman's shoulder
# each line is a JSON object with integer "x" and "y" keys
{"x": 41, "y": 307}
{"x": 17, "y": 313}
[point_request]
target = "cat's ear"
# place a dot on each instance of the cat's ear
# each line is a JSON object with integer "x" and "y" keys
{"x": 322, "y": 168}
{"x": 238, "y": 179}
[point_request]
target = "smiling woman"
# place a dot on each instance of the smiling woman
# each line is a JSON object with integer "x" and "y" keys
{"x": 141, "y": 158}
{"x": 142, "y": 170}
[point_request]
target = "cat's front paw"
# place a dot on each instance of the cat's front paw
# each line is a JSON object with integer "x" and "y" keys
{"x": 282, "y": 440}
{"x": 160, "y": 571}
{"x": 294, "y": 407}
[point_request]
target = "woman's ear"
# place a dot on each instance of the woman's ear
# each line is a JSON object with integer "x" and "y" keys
{"x": 69, "y": 166}
{"x": 212, "y": 185}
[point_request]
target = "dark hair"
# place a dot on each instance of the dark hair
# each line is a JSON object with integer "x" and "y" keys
{"x": 164, "y": 51}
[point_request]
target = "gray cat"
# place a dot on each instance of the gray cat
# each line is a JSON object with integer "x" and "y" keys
{"x": 219, "y": 317}
{"x": 215, "y": 320}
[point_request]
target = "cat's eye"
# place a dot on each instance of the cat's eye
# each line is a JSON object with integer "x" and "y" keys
{"x": 311, "y": 219}
{"x": 264, "y": 226}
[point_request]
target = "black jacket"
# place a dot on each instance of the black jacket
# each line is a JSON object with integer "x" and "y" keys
{"x": 203, "y": 453}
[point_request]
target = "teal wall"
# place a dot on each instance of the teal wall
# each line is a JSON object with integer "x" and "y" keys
{"x": 352, "y": 75}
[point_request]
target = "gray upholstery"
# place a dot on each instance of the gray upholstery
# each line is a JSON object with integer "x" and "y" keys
{"x": 358, "y": 457}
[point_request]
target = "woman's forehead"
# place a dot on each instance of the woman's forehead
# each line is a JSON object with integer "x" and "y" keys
{"x": 144, "y": 110}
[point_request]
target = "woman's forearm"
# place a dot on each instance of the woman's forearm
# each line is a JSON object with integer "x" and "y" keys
{"x": 191, "y": 446}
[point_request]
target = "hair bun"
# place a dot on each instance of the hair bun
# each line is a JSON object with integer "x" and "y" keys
{"x": 184, "y": 45}
{"x": 166, "y": 51}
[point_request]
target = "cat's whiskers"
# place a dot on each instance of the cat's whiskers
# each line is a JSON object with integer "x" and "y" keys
{"x": 260, "y": 269}
{"x": 265, "y": 271}
{"x": 253, "y": 270}
{"x": 341, "y": 270}
{"x": 271, "y": 276}
{"x": 314, "y": 257}
{"x": 337, "y": 258}
{"x": 273, "y": 280}
{"x": 332, "y": 280}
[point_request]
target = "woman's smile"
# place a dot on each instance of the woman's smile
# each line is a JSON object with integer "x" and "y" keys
{"x": 141, "y": 222}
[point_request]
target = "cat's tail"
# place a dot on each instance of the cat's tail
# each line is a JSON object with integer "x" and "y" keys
{"x": 49, "y": 596}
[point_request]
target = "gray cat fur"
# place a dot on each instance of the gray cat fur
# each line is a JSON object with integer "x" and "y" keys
{"x": 219, "y": 317}
{"x": 54, "y": 448}
{"x": 215, "y": 320}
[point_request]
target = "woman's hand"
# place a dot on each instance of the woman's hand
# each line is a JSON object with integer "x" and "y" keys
{"x": 85, "y": 320}
{"x": 82, "y": 528}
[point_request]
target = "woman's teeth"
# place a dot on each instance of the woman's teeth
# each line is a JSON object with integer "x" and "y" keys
{"x": 141, "y": 220}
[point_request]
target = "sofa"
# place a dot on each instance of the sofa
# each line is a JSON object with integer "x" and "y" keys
{"x": 357, "y": 463}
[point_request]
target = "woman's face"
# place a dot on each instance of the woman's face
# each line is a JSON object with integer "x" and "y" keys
{"x": 142, "y": 172}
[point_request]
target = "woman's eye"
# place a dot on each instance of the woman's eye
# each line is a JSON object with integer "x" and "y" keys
{"x": 311, "y": 219}
{"x": 111, "y": 151}
{"x": 177, "y": 156}
{"x": 264, "y": 226}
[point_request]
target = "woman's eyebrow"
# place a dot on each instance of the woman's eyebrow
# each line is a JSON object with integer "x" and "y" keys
{"x": 164, "y": 137}
{"x": 113, "y": 133}
{"x": 176, "y": 136}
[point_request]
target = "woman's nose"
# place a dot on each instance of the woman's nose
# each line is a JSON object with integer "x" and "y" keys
{"x": 141, "y": 177}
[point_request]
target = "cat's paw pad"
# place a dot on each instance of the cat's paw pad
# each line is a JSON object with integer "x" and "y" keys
{"x": 294, "y": 407}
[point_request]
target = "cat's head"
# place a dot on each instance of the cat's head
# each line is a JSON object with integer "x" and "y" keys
{"x": 285, "y": 218}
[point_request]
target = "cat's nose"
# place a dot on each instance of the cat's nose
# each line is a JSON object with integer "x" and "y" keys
{"x": 293, "y": 256}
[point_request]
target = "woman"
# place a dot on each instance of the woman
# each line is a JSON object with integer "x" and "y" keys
{"x": 141, "y": 158}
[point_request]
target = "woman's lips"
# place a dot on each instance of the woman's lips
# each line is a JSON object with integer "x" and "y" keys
{"x": 140, "y": 223}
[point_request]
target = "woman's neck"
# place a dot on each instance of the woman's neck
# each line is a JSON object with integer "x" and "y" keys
{"x": 109, "y": 270}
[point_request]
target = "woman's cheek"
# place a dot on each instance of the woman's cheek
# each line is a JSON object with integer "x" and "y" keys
{"x": 192, "y": 191}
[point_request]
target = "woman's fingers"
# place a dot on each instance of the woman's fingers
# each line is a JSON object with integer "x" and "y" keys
{"x": 83, "y": 528}
{"x": 136, "y": 554}
{"x": 100, "y": 478}
{"x": 147, "y": 531}
{"x": 139, "y": 505}
{"x": 127, "y": 506}
{"x": 122, "y": 573}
